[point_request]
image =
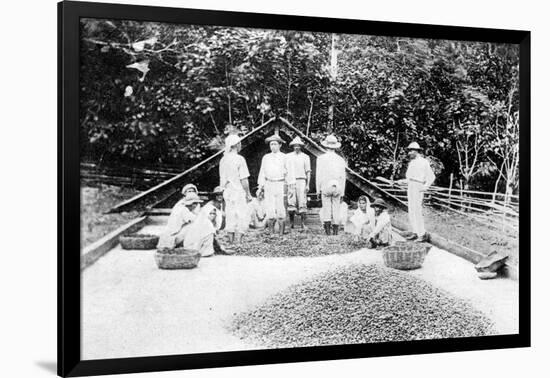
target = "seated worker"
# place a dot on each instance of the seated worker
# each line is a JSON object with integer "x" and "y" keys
{"x": 189, "y": 188}
{"x": 381, "y": 234}
{"x": 218, "y": 202}
{"x": 183, "y": 213}
{"x": 362, "y": 219}
{"x": 200, "y": 234}
{"x": 258, "y": 218}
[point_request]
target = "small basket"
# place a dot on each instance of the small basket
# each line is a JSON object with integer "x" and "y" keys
{"x": 177, "y": 258}
{"x": 139, "y": 241}
{"x": 405, "y": 255}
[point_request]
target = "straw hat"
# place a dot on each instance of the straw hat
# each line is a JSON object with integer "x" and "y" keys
{"x": 274, "y": 137}
{"x": 232, "y": 140}
{"x": 296, "y": 142}
{"x": 414, "y": 146}
{"x": 217, "y": 190}
{"x": 331, "y": 142}
{"x": 191, "y": 198}
{"x": 379, "y": 203}
{"x": 187, "y": 187}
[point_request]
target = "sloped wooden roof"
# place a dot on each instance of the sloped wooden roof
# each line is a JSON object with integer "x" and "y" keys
{"x": 148, "y": 198}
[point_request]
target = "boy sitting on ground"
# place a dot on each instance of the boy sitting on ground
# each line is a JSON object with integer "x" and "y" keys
{"x": 381, "y": 234}
{"x": 257, "y": 211}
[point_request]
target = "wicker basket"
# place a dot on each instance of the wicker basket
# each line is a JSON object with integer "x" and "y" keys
{"x": 406, "y": 255}
{"x": 177, "y": 258}
{"x": 139, "y": 241}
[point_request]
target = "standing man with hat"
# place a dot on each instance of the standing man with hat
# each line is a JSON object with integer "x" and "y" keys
{"x": 274, "y": 173}
{"x": 236, "y": 192}
{"x": 300, "y": 164}
{"x": 419, "y": 178}
{"x": 330, "y": 180}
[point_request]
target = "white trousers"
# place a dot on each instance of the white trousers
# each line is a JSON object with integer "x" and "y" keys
{"x": 330, "y": 210}
{"x": 415, "y": 197}
{"x": 297, "y": 198}
{"x": 236, "y": 210}
{"x": 274, "y": 199}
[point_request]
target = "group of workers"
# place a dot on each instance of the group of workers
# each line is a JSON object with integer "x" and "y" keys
{"x": 234, "y": 209}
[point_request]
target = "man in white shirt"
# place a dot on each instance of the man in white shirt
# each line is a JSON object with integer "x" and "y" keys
{"x": 300, "y": 164}
{"x": 330, "y": 181}
{"x": 419, "y": 178}
{"x": 381, "y": 234}
{"x": 274, "y": 173}
{"x": 236, "y": 192}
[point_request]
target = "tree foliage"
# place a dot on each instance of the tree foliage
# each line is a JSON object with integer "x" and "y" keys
{"x": 162, "y": 93}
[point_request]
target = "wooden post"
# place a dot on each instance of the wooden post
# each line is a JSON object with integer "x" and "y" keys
{"x": 461, "y": 192}
{"x": 450, "y": 186}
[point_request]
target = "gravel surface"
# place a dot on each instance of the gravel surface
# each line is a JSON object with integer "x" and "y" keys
{"x": 360, "y": 304}
{"x": 130, "y": 308}
{"x": 309, "y": 243}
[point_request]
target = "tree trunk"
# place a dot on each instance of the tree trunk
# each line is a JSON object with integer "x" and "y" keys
{"x": 333, "y": 74}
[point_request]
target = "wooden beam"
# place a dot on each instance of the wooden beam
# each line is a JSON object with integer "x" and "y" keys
{"x": 94, "y": 251}
{"x": 176, "y": 180}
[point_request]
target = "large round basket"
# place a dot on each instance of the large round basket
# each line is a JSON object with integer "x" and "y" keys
{"x": 405, "y": 255}
{"x": 139, "y": 241}
{"x": 177, "y": 258}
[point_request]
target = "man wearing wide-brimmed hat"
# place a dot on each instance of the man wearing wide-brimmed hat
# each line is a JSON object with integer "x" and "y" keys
{"x": 381, "y": 235}
{"x": 300, "y": 164}
{"x": 419, "y": 178}
{"x": 181, "y": 216}
{"x": 274, "y": 174}
{"x": 236, "y": 192}
{"x": 330, "y": 180}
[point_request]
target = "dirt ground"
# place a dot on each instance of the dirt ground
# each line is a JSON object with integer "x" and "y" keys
{"x": 466, "y": 232}
{"x": 131, "y": 308}
{"x": 95, "y": 201}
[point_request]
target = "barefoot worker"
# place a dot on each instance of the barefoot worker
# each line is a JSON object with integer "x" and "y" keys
{"x": 330, "y": 180}
{"x": 380, "y": 236}
{"x": 300, "y": 164}
{"x": 183, "y": 213}
{"x": 362, "y": 219}
{"x": 274, "y": 173}
{"x": 236, "y": 192}
{"x": 257, "y": 211}
{"x": 200, "y": 234}
{"x": 218, "y": 202}
{"x": 419, "y": 178}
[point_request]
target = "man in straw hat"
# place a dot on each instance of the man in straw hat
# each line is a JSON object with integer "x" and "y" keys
{"x": 300, "y": 164}
{"x": 236, "y": 192}
{"x": 419, "y": 178}
{"x": 274, "y": 174}
{"x": 330, "y": 180}
{"x": 381, "y": 234}
{"x": 181, "y": 216}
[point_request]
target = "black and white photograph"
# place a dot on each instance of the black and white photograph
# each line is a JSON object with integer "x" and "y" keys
{"x": 246, "y": 188}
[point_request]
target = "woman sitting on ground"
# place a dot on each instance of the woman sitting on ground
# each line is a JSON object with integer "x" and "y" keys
{"x": 200, "y": 235}
{"x": 381, "y": 235}
{"x": 182, "y": 215}
{"x": 362, "y": 219}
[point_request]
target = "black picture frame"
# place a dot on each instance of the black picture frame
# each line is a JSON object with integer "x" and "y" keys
{"x": 69, "y": 297}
